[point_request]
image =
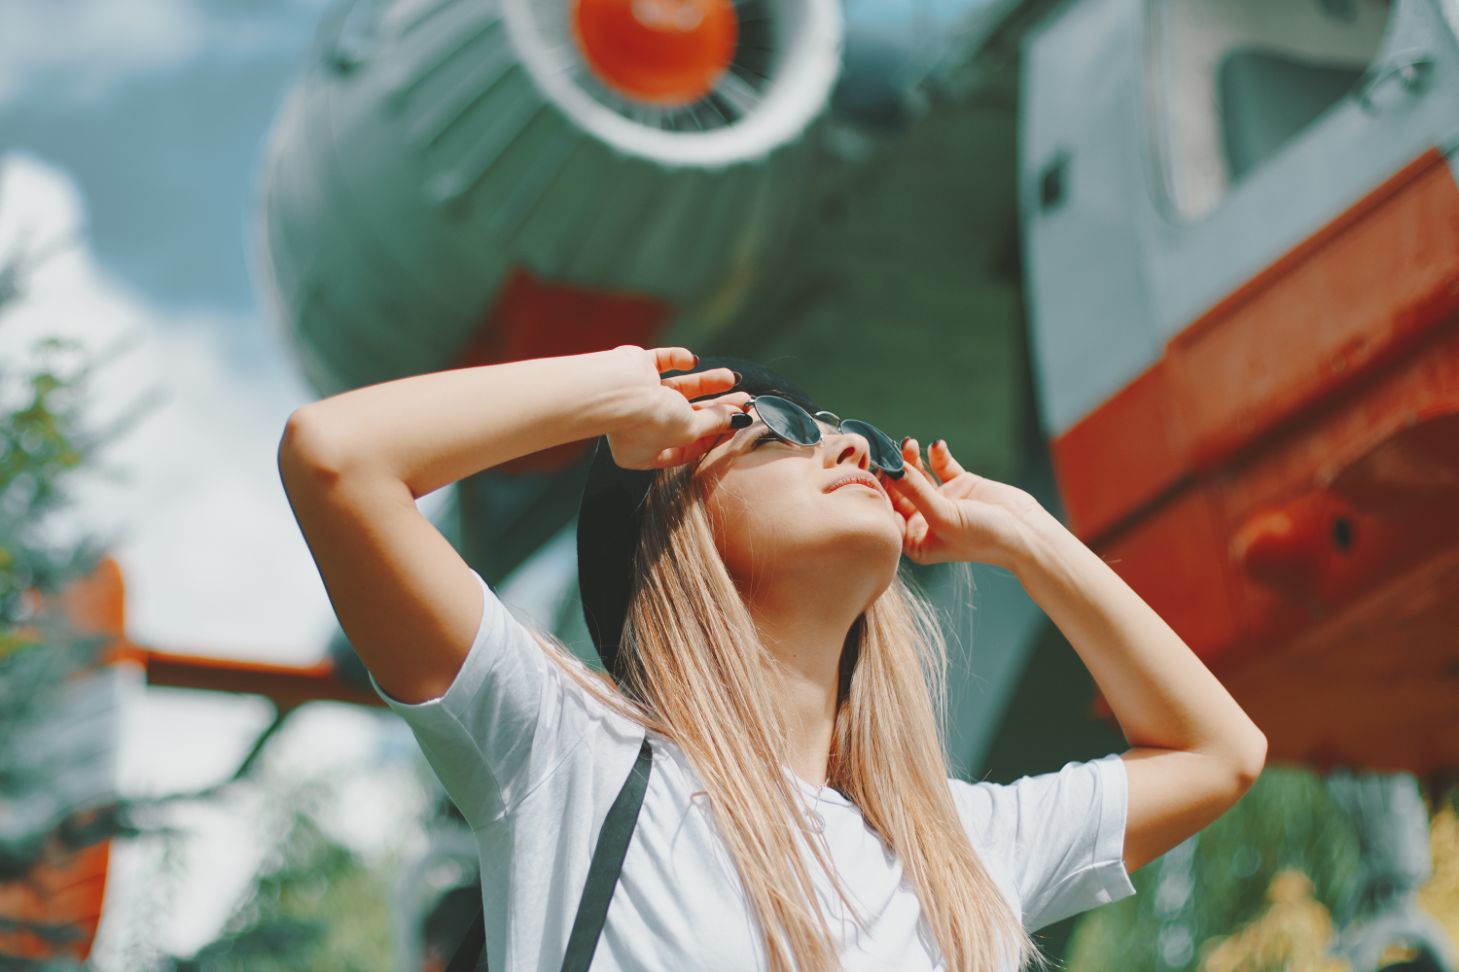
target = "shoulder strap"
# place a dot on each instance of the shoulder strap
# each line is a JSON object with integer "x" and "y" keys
{"x": 597, "y": 890}
{"x": 473, "y": 946}
{"x": 607, "y": 863}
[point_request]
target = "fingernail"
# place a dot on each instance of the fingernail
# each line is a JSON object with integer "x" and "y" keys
{"x": 940, "y": 443}
{"x": 740, "y": 419}
{"x": 696, "y": 358}
{"x": 738, "y": 377}
{"x": 905, "y": 440}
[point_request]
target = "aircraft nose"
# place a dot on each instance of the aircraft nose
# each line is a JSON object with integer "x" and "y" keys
{"x": 666, "y": 52}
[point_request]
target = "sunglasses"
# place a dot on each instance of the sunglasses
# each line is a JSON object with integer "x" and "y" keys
{"x": 794, "y": 424}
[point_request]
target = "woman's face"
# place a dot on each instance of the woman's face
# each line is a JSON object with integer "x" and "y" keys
{"x": 776, "y": 513}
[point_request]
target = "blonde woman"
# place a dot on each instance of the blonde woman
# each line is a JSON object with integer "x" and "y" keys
{"x": 760, "y": 780}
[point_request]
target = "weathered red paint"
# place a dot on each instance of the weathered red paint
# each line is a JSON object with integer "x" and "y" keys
{"x": 1282, "y": 486}
{"x": 67, "y": 886}
{"x": 533, "y": 318}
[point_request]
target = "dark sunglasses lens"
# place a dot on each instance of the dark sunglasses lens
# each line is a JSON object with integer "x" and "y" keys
{"x": 884, "y": 452}
{"x": 788, "y": 419}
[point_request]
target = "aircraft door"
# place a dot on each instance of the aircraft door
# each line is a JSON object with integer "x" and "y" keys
{"x": 1268, "y": 120}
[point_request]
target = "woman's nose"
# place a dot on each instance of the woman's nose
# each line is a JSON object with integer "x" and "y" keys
{"x": 852, "y": 446}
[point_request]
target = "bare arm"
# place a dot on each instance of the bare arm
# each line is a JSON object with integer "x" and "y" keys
{"x": 1196, "y": 750}
{"x": 354, "y": 464}
{"x": 428, "y": 431}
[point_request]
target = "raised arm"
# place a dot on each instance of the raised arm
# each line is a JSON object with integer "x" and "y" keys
{"x": 1196, "y": 752}
{"x": 354, "y": 464}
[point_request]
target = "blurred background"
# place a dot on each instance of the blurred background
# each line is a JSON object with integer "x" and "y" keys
{"x": 1187, "y": 270}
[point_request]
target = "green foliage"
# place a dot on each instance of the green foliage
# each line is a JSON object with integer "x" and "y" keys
{"x": 315, "y": 905}
{"x": 42, "y": 444}
{"x": 1287, "y": 821}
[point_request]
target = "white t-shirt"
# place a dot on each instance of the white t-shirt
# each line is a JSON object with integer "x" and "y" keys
{"x": 533, "y": 762}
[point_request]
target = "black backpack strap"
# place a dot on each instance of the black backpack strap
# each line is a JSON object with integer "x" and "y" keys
{"x": 607, "y": 863}
{"x": 597, "y": 890}
{"x": 471, "y": 947}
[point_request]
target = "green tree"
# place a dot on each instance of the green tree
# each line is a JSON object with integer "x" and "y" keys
{"x": 314, "y": 904}
{"x": 1288, "y": 822}
{"x": 43, "y": 444}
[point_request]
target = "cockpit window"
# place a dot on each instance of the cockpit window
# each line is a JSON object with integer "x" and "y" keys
{"x": 1233, "y": 81}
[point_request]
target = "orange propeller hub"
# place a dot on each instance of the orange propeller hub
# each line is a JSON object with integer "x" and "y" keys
{"x": 665, "y": 52}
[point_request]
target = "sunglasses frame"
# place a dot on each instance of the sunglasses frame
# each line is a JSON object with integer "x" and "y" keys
{"x": 862, "y": 428}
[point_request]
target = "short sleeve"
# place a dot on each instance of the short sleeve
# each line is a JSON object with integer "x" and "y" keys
{"x": 509, "y": 718}
{"x": 1059, "y": 836}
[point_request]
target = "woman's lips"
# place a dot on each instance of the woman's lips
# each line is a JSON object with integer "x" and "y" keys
{"x": 868, "y": 484}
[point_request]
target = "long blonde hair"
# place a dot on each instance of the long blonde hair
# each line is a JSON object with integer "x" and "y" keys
{"x": 696, "y": 672}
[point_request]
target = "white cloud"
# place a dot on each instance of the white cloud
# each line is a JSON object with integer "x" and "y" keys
{"x": 211, "y": 556}
{"x": 85, "y": 45}
{"x": 76, "y": 50}
{"x": 214, "y": 562}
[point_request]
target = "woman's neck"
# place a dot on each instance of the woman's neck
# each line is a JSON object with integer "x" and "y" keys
{"x": 809, "y": 647}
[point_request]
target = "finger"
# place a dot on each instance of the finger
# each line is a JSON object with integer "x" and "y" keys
{"x": 918, "y": 487}
{"x": 903, "y": 505}
{"x": 917, "y": 530}
{"x": 700, "y": 383}
{"x": 942, "y": 461}
{"x": 712, "y": 421}
{"x": 900, "y": 503}
{"x": 737, "y": 402}
{"x": 668, "y": 457}
{"x": 912, "y": 454}
{"x": 738, "y": 399}
{"x": 674, "y": 359}
{"x": 914, "y": 539}
{"x": 679, "y": 455}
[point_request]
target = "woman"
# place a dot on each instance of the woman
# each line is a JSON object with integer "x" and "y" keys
{"x": 770, "y": 662}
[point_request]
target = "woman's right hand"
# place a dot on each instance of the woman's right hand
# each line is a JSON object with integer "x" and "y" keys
{"x": 666, "y": 428}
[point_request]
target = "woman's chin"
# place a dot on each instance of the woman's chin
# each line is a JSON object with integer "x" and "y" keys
{"x": 881, "y": 539}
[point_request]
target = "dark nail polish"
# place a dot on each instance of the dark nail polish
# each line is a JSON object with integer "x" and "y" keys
{"x": 738, "y": 377}
{"x": 905, "y": 440}
{"x": 940, "y": 442}
{"x": 740, "y": 419}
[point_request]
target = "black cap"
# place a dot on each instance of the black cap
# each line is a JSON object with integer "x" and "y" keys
{"x": 610, "y": 514}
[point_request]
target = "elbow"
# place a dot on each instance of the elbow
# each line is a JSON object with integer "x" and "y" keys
{"x": 1242, "y": 764}
{"x": 1248, "y": 769}
{"x": 307, "y": 452}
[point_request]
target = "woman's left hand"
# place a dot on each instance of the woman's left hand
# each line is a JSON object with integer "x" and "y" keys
{"x": 965, "y": 517}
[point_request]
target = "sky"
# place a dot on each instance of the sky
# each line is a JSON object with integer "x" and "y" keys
{"x": 205, "y": 539}
{"x": 129, "y": 135}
